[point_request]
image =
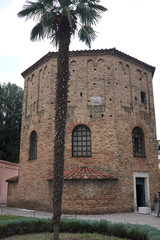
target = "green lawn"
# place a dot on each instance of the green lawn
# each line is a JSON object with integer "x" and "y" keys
{"x": 8, "y": 217}
{"x": 64, "y": 236}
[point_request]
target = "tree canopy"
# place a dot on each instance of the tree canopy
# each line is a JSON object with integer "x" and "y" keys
{"x": 52, "y": 14}
{"x": 10, "y": 121}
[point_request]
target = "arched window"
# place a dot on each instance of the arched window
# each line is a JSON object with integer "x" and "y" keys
{"x": 138, "y": 142}
{"x": 33, "y": 146}
{"x": 81, "y": 141}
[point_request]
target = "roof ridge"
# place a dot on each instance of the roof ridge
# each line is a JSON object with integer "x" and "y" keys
{"x": 111, "y": 51}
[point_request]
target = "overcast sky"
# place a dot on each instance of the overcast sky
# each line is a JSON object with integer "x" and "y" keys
{"x": 131, "y": 26}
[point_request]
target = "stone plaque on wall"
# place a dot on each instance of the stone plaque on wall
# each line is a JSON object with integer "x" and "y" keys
{"x": 95, "y": 101}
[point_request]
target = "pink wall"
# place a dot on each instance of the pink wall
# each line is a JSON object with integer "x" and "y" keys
{"x": 7, "y": 170}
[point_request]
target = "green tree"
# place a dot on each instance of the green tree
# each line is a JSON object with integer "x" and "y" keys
{"x": 10, "y": 121}
{"x": 58, "y": 20}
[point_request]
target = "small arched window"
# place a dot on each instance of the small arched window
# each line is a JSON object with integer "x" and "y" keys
{"x": 81, "y": 141}
{"x": 138, "y": 142}
{"x": 33, "y": 146}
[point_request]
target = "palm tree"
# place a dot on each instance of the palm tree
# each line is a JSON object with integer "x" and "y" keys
{"x": 58, "y": 20}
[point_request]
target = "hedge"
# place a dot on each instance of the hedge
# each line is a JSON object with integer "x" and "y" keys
{"x": 34, "y": 225}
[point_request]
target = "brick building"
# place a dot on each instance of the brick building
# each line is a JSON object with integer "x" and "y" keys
{"x": 111, "y": 162}
{"x": 7, "y": 170}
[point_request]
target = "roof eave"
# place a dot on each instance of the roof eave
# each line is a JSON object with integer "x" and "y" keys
{"x": 112, "y": 51}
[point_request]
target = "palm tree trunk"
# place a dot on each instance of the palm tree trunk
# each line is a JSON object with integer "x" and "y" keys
{"x": 60, "y": 123}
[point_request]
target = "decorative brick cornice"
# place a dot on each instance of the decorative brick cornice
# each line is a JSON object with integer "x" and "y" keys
{"x": 100, "y": 52}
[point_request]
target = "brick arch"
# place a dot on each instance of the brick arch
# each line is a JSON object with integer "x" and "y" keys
{"x": 145, "y": 76}
{"x": 33, "y": 145}
{"x": 73, "y": 124}
{"x": 73, "y": 66}
{"x": 44, "y": 70}
{"x": 139, "y": 74}
{"x": 32, "y": 78}
{"x": 90, "y": 63}
{"x": 45, "y": 67}
{"x": 137, "y": 124}
{"x": 81, "y": 124}
{"x": 100, "y": 61}
{"x": 100, "y": 65}
{"x": 127, "y": 69}
{"x": 120, "y": 65}
{"x": 73, "y": 63}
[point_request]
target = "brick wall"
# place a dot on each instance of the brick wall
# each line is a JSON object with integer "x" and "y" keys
{"x": 118, "y": 80}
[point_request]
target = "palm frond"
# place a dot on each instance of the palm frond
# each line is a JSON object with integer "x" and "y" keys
{"x": 88, "y": 12}
{"x": 65, "y": 3}
{"x": 32, "y": 10}
{"x": 98, "y": 7}
{"x": 48, "y": 2}
{"x": 37, "y": 32}
{"x": 54, "y": 39}
{"x": 47, "y": 18}
{"x": 69, "y": 16}
{"x": 50, "y": 13}
{"x": 87, "y": 34}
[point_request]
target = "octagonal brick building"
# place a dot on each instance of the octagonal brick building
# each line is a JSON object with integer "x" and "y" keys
{"x": 111, "y": 162}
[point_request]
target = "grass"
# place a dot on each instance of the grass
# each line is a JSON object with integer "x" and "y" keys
{"x": 64, "y": 236}
{"x": 9, "y": 217}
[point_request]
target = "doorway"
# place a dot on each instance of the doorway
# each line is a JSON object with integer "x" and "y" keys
{"x": 140, "y": 192}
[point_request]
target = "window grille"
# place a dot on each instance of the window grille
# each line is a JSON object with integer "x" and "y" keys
{"x": 81, "y": 141}
{"x": 138, "y": 142}
{"x": 143, "y": 97}
{"x": 33, "y": 146}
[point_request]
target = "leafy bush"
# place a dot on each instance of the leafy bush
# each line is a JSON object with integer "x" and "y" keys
{"x": 33, "y": 225}
{"x": 21, "y": 226}
{"x": 131, "y": 231}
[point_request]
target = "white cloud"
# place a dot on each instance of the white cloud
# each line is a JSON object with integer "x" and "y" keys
{"x": 4, "y": 78}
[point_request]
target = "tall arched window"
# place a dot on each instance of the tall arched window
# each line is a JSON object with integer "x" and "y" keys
{"x": 138, "y": 142}
{"x": 33, "y": 146}
{"x": 81, "y": 141}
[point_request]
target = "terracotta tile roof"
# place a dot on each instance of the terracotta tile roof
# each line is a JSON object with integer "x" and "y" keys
{"x": 12, "y": 179}
{"x": 86, "y": 173}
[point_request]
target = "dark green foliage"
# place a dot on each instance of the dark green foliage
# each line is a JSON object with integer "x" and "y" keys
{"x": 10, "y": 121}
{"x": 121, "y": 230}
{"x": 25, "y": 225}
{"x": 130, "y": 231}
{"x": 33, "y": 225}
{"x": 49, "y": 15}
{"x": 153, "y": 234}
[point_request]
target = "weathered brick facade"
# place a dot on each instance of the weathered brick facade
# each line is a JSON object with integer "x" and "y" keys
{"x": 123, "y": 86}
